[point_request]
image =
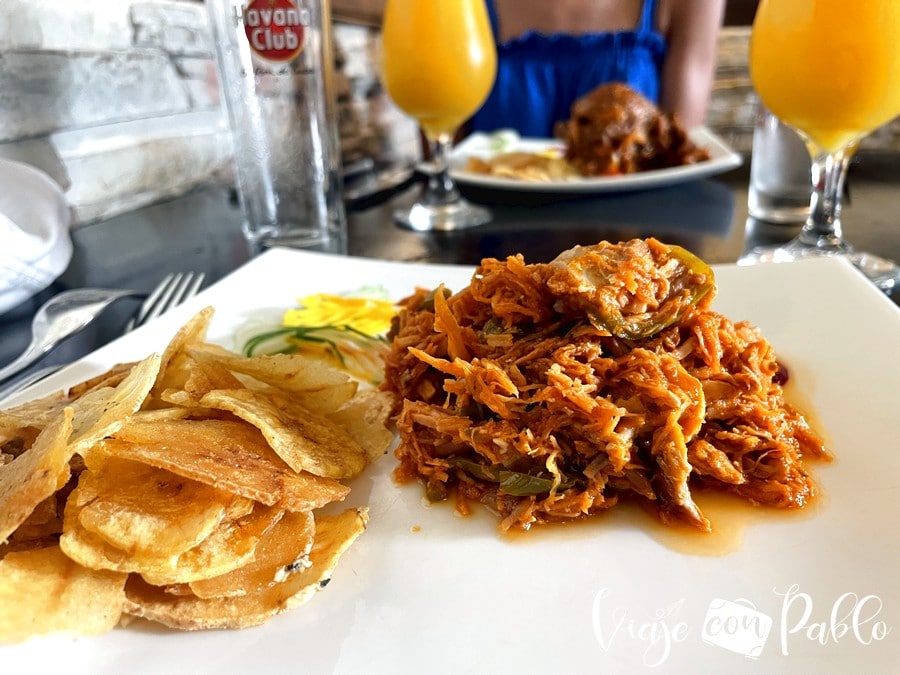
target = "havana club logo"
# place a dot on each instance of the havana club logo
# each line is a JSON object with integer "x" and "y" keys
{"x": 276, "y": 29}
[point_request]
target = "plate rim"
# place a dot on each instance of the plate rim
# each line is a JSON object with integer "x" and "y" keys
{"x": 723, "y": 159}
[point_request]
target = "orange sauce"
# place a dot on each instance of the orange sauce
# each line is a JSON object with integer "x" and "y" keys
{"x": 731, "y": 516}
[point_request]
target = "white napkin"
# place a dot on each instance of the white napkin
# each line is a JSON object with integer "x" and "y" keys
{"x": 35, "y": 246}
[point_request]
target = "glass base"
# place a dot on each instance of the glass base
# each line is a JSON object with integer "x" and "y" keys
{"x": 331, "y": 240}
{"x": 456, "y": 215}
{"x": 885, "y": 274}
{"x": 781, "y": 209}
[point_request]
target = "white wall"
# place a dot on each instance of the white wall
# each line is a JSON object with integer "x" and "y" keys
{"x": 118, "y": 99}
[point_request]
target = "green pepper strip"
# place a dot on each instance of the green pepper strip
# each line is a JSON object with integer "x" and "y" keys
{"x": 513, "y": 483}
{"x": 609, "y": 315}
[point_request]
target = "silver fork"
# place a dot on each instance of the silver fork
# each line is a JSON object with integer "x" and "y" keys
{"x": 170, "y": 292}
{"x": 71, "y": 311}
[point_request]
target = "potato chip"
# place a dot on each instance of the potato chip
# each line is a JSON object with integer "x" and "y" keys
{"x": 334, "y": 534}
{"x": 303, "y": 439}
{"x": 282, "y": 551}
{"x": 141, "y": 509}
{"x": 43, "y": 591}
{"x": 36, "y": 474}
{"x": 228, "y": 455}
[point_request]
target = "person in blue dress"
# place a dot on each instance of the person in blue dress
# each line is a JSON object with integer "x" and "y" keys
{"x": 551, "y": 52}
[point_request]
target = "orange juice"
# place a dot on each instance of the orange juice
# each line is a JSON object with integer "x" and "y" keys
{"x": 439, "y": 60}
{"x": 830, "y": 68}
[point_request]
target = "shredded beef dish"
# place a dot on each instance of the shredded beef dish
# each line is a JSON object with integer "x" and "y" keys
{"x": 615, "y": 130}
{"x": 551, "y": 392}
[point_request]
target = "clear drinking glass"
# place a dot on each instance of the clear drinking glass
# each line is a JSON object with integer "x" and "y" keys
{"x": 439, "y": 64}
{"x": 831, "y": 70}
{"x": 275, "y": 65}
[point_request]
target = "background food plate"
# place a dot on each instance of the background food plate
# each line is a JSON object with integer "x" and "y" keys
{"x": 424, "y": 589}
{"x": 484, "y": 146}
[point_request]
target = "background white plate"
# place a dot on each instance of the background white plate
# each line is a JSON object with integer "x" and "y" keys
{"x": 722, "y": 159}
{"x": 426, "y": 591}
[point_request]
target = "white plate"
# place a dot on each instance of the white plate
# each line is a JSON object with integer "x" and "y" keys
{"x": 426, "y": 591}
{"x": 484, "y": 146}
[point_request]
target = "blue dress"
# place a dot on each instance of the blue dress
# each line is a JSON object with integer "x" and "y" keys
{"x": 540, "y": 76}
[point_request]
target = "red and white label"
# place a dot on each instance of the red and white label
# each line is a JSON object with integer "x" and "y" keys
{"x": 275, "y": 29}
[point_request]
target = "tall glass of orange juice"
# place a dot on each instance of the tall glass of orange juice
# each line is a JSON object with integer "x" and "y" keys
{"x": 830, "y": 69}
{"x": 439, "y": 64}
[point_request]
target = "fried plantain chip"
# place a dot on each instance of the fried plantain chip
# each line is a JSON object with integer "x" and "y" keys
{"x": 144, "y": 510}
{"x": 14, "y": 545}
{"x": 197, "y": 473}
{"x": 160, "y": 415}
{"x": 172, "y": 372}
{"x": 103, "y": 411}
{"x": 288, "y": 372}
{"x": 230, "y": 545}
{"x": 36, "y": 474}
{"x": 226, "y": 454}
{"x": 281, "y": 552}
{"x": 305, "y": 440}
{"x": 204, "y": 377}
{"x": 42, "y": 524}
{"x": 25, "y": 421}
{"x": 111, "y": 378}
{"x": 43, "y": 591}
{"x": 321, "y": 401}
{"x": 366, "y": 419}
{"x": 334, "y": 534}
{"x": 310, "y": 382}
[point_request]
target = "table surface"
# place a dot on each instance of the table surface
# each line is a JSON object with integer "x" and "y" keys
{"x": 201, "y": 231}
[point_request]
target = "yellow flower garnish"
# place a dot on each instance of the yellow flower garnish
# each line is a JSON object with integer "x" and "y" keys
{"x": 371, "y": 316}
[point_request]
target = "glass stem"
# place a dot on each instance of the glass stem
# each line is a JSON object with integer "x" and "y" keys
{"x": 823, "y": 227}
{"x": 441, "y": 188}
